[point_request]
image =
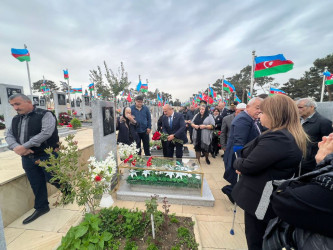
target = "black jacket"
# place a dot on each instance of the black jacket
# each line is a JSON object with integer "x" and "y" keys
{"x": 127, "y": 134}
{"x": 178, "y": 128}
{"x": 274, "y": 155}
{"x": 316, "y": 127}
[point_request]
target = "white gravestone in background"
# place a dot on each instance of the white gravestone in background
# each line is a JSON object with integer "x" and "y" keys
{"x": 6, "y": 110}
{"x": 86, "y": 108}
{"x": 42, "y": 103}
{"x": 59, "y": 103}
{"x": 104, "y": 128}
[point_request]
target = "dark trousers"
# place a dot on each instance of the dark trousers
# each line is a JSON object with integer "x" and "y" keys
{"x": 254, "y": 231}
{"x": 144, "y": 137}
{"x": 171, "y": 149}
{"x": 38, "y": 177}
{"x": 190, "y": 129}
{"x": 165, "y": 148}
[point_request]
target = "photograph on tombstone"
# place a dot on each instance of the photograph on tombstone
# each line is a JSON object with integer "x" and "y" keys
{"x": 72, "y": 104}
{"x": 86, "y": 100}
{"x": 78, "y": 101}
{"x": 108, "y": 120}
{"x": 13, "y": 91}
{"x": 42, "y": 102}
{"x": 61, "y": 99}
{"x": 35, "y": 100}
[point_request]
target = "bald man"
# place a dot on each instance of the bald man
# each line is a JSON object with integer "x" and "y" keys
{"x": 173, "y": 124}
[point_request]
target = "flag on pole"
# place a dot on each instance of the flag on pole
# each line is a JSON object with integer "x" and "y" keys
{"x": 66, "y": 74}
{"x": 99, "y": 95}
{"x": 91, "y": 87}
{"x": 274, "y": 91}
{"x": 249, "y": 96}
{"x": 237, "y": 99}
{"x": 43, "y": 86}
{"x": 227, "y": 86}
{"x": 212, "y": 92}
{"x": 270, "y": 65}
{"x": 159, "y": 98}
{"x": 77, "y": 90}
{"x": 46, "y": 91}
{"x": 129, "y": 99}
{"x": 138, "y": 87}
{"x": 21, "y": 54}
{"x": 144, "y": 87}
{"x": 329, "y": 78}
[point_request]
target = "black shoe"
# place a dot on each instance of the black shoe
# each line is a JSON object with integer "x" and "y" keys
{"x": 227, "y": 194}
{"x": 35, "y": 215}
{"x": 202, "y": 155}
{"x": 207, "y": 161}
{"x": 213, "y": 155}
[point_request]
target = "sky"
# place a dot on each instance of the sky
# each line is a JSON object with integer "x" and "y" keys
{"x": 179, "y": 46}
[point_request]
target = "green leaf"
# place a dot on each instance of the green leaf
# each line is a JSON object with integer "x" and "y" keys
{"x": 94, "y": 239}
{"x": 81, "y": 230}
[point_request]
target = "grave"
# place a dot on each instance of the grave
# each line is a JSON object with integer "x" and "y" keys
{"x": 6, "y": 90}
{"x": 59, "y": 103}
{"x": 325, "y": 109}
{"x": 86, "y": 108}
{"x": 104, "y": 128}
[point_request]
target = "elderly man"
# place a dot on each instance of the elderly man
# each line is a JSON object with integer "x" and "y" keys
{"x": 226, "y": 125}
{"x": 32, "y": 131}
{"x": 143, "y": 118}
{"x": 173, "y": 124}
{"x": 244, "y": 128}
{"x": 316, "y": 126}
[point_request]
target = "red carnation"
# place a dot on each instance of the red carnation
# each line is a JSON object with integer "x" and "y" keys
{"x": 98, "y": 178}
{"x": 156, "y": 136}
{"x": 134, "y": 162}
{"x": 219, "y": 133}
{"x": 130, "y": 157}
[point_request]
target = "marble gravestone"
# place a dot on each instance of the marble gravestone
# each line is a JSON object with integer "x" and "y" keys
{"x": 86, "y": 108}
{"x": 104, "y": 129}
{"x": 325, "y": 109}
{"x": 59, "y": 103}
{"x": 6, "y": 110}
{"x": 42, "y": 103}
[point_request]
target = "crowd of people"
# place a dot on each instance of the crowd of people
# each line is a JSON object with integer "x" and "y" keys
{"x": 277, "y": 153}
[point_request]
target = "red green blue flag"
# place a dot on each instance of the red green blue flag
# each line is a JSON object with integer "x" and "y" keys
{"x": 66, "y": 74}
{"x": 144, "y": 87}
{"x": 212, "y": 92}
{"x": 237, "y": 99}
{"x": 138, "y": 87}
{"x": 227, "y": 86}
{"x": 329, "y": 78}
{"x": 21, "y": 54}
{"x": 249, "y": 96}
{"x": 129, "y": 99}
{"x": 270, "y": 65}
{"x": 91, "y": 86}
{"x": 274, "y": 91}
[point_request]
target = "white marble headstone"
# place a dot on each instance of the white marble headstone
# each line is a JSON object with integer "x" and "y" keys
{"x": 59, "y": 102}
{"x": 104, "y": 129}
{"x": 6, "y": 90}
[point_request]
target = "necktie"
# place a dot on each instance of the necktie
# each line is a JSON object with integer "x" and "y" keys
{"x": 170, "y": 121}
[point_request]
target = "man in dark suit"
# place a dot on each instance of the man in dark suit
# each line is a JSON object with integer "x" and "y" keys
{"x": 316, "y": 126}
{"x": 173, "y": 124}
{"x": 244, "y": 128}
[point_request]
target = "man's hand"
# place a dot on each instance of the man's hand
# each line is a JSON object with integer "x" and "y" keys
{"x": 20, "y": 150}
{"x": 171, "y": 137}
{"x": 148, "y": 131}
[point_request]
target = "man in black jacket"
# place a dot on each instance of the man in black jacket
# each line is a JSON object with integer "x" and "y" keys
{"x": 32, "y": 131}
{"x": 316, "y": 126}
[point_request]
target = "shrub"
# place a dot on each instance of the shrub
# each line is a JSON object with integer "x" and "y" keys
{"x": 76, "y": 123}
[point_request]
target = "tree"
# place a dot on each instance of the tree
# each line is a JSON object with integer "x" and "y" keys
{"x": 310, "y": 84}
{"x": 48, "y": 85}
{"x": 116, "y": 82}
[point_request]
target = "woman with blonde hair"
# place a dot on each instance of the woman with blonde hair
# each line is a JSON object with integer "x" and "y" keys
{"x": 274, "y": 155}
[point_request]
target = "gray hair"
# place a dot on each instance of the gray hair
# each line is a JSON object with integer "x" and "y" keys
{"x": 308, "y": 102}
{"x": 22, "y": 96}
{"x": 253, "y": 100}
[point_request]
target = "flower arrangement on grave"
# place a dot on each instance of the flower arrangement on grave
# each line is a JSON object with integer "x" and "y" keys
{"x": 74, "y": 112}
{"x": 171, "y": 173}
{"x": 64, "y": 118}
{"x": 125, "y": 150}
{"x": 156, "y": 143}
{"x": 85, "y": 185}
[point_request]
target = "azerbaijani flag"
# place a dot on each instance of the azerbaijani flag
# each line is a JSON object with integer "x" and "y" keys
{"x": 46, "y": 91}
{"x": 21, "y": 54}
{"x": 274, "y": 91}
{"x": 227, "y": 86}
{"x": 144, "y": 87}
{"x": 237, "y": 99}
{"x": 212, "y": 92}
{"x": 43, "y": 86}
{"x": 66, "y": 74}
{"x": 249, "y": 96}
{"x": 270, "y": 65}
{"x": 77, "y": 90}
{"x": 91, "y": 86}
{"x": 138, "y": 87}
{"x": 159, "y": 98}
{"x": 329, "y": 78}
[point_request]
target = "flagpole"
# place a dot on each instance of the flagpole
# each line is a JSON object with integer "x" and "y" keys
{"x": 252, "y": 73}
{"x": 69, "y": 93}
{"x": 222, "y": 88}
{"x": 323, "y": 86}
{"x": 25, "y": 46}
{"x": 81, "y": 106}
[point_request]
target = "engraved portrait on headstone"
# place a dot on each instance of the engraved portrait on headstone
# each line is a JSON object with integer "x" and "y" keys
{"x": 78, "y": 101}
{"x": 12, "y": 91}
{"x": 108, "y": 120}
{"x": 42, "y": 102}
{"x": 86, "y": 100}
{"x": 72, "y": 104}
{"x": 35, "y": 100}
{"x": 61, "y": 99}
